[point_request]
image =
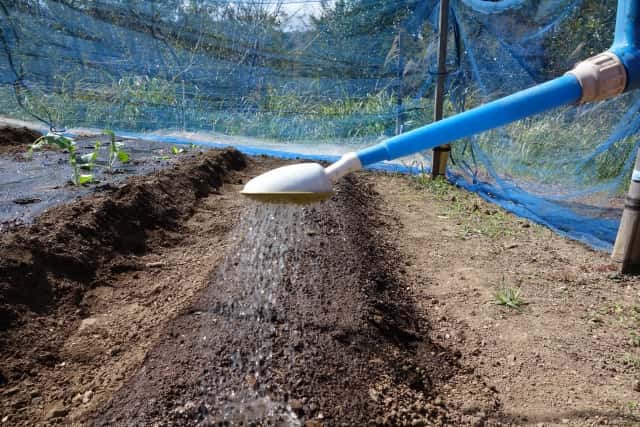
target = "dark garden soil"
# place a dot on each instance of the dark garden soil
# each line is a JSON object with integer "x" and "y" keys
{"x": 14, "y": 140}
{"x": 169, "y": 299}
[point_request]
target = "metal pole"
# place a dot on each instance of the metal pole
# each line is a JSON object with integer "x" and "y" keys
{"x": 441, "y": 153}
{"x": 626, "y": 250}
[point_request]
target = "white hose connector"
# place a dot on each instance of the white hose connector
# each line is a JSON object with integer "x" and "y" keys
{"x": 348, "y": 163}
{"x": 602, "y": 77}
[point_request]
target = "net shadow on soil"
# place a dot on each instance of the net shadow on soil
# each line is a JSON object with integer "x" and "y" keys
{"x": 330, "y": 335}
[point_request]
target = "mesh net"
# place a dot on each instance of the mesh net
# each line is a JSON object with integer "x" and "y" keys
{"x": 331, "y": 76}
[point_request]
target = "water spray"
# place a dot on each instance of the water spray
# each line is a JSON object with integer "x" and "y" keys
{"x": 603, "y": 76}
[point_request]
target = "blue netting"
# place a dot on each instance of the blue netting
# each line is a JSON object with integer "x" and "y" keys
{"x": 330, "y": 74}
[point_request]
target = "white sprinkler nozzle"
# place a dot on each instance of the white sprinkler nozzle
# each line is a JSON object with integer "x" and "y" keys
{"x": 302, "y": 183}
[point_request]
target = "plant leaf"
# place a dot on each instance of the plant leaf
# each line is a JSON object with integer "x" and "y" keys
{"x": 123, "y": 156}
{"x": 85, "y": 179}
{"x": 58, "y": 140}
{"x": 88, "y": 158}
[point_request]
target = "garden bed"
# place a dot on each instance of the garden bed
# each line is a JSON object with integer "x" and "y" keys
{"x": 169, "y": 299}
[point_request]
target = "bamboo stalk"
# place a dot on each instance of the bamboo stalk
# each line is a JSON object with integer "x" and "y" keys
{"x": 626, "y": 250}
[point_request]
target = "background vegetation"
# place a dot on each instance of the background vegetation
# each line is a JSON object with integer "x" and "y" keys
{"x": 355, "y": 71}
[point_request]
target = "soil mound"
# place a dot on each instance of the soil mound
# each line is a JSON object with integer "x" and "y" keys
{"x": 10, "y": 135}
{"x": 339, "y": 341}
{"x": 13, "y": 139}
{"x": 49, "y": 264}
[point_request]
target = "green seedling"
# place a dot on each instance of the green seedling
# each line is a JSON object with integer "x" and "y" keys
{"x": 631, "y": 360}
{"x": 89, "y": 159}
{"x": 175, "y": 150}
{"x": 510, "y": 297}
{"x": 422, "y": 178}
{"x": 116, "y": 153}
{"x": 69, "y": 145}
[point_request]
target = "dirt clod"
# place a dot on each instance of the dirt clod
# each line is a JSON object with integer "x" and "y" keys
{"x": 56, "y": 410}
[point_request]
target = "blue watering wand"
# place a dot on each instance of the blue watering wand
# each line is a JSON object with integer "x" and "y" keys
{"x": 603, "y": 76}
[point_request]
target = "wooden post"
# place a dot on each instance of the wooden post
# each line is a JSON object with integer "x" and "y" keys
{"x": 626, "y": 250}
{"x": 441, "y": 153}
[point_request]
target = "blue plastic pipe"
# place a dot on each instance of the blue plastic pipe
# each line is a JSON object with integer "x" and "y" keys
{"x": 564, "y": 90}
{"x": 626, "y": 44}
{"x": 561, "y": 91}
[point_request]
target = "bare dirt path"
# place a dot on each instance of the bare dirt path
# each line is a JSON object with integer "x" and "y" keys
{"x": 567, "y": 357}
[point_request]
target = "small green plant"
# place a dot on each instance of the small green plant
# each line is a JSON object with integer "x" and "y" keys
{"x": 423, "y": 177}
{"x": 175, "y": 150}
{"x": 115, "y": 151}
{"x": 632, "y": 407}
{"x": 631, "y": 360}
{"x": 69, "y": 145}
{"x": 509, "y": 296}
{"x": 88, "y": 161}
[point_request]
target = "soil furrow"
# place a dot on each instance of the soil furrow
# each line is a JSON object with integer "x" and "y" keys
{"x": 347, "y": 345}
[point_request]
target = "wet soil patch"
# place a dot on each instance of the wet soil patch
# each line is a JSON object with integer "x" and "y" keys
{"x": 339, "y": 341}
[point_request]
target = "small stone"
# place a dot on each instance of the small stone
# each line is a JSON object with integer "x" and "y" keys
{"x": 77, "y": 398}
{"x": 154, "y": 264}
{"x": 87, "y": 323}
{"x": 5, "y": 419}
{"x": 87, "y": 396}
{"x": 56, "y": 410}
{"x": 296, "y": 405}
{"x": 636, "y": 386}
{"x": 565, "y": 421}
{"x": 374, "y": 395}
